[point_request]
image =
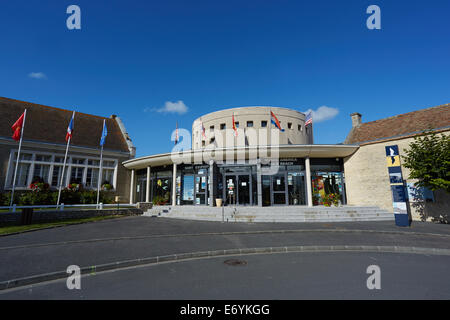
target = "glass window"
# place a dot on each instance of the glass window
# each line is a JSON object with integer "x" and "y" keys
{"x": 56, "y": 176}
{"x": 289, "y": 125}
{"x": 109, "y": 164}
{"x": 263, "y": 124}
{"x": 249, "y": 124}
{"x": 77, "y": 161}
{"x": 59, "y": 159}
{"x": 278, "y": 183}
{"x": 300, "y": 127}
{"x": 24, "y": 156}
{"x": 296, "y": 188}
{"x": 43, "y": 158}
{"x": 92, "y": 178}
{"x": 23, "y": 170}
{"x": 325, "y": 183}
{"x": 223, "y": 126}
{"x": 40, "y": 173}
{"x": 279, "y": 198}
{"x": 93, "y": 162}
{"x": 187, "y": 196}
{"x": 211, "y": 128}
{"x": 76, "y": 176}
{"x": 108, "y": 176}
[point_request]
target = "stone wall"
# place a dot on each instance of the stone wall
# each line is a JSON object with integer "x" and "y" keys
{"x": 367, "y": 181}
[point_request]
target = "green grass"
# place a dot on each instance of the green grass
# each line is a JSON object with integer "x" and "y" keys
{"x": 14, "y": 229}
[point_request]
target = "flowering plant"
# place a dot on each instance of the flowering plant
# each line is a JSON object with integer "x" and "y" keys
{"x": 74, "y": 186}
{"x": 331, "y": 198}
{"x": 39, "y": 186}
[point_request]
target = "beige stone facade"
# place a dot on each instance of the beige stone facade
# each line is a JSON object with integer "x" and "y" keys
{"x": 254, "y": 128}
{"x": 367, "y": 180}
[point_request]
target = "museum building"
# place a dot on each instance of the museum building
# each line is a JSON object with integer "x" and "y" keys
{"x": 250, "y": 156}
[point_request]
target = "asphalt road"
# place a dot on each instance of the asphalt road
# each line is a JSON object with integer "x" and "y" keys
{"x": 284, "y": 276}
{"x": 111, "y": 241}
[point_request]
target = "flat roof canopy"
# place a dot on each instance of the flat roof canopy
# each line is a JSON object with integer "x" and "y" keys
{"x": 242, "y": 153}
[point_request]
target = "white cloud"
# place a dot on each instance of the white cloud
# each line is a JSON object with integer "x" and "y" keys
{"x": 323, "y": 113}
{"x": 170, "y": 107}
{"x": 37, "y": 75}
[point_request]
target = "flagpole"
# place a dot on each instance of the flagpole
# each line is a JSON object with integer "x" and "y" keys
{"x": 64, "y": 166}
{"x": 100, "y": 168}
{"x": 18, "y": 159}
{"x": 62, "y": 174}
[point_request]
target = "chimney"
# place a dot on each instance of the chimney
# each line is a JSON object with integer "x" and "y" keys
{"x": 356, "y": 119}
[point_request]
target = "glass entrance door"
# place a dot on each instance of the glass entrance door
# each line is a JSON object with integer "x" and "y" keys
{"x": 244, "y": 192}
{"x": 230, "y": 189}
{"x": 201, "y": 189}
{"x": 238, "y": 189}
{"x": 279, "y": 189}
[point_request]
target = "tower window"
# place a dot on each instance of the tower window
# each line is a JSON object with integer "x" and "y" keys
{"x": 249, "y": 124}
{"x": 263, "y": 124}
{"x": 223, "y": 126}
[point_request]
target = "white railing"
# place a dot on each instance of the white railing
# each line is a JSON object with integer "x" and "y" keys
{"x": 61, "y": 207}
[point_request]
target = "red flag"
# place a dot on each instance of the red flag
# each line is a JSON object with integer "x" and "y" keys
{"x": 17, "y": 127}
{"x": 234, "y": 126}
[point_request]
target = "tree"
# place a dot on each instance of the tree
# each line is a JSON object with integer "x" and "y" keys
{"x": 428, "y": 158}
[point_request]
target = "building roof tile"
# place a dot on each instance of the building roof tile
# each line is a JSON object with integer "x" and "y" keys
{"x": 402, "y": 125}
{"x": 49, "y": 125}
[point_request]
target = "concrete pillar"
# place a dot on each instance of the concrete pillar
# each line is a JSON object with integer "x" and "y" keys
{"x": 132, "y": 186}
{"x": 174, "y": 185}
{"x": 147, "y": 191}
{"x": 212, "y": 196}
{"x": 308, "y": 182}
{"x": 259, "y": 182}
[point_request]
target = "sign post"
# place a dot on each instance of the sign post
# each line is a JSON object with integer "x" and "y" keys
{"x": 398, "y": 189}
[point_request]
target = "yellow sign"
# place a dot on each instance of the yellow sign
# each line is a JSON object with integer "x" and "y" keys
{"x": 393, "y": 161}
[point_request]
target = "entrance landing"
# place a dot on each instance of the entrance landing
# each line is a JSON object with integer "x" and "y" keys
{"x": 272, "y": 214}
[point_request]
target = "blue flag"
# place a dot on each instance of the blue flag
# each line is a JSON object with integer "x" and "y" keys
{"x": 104, "y": 134}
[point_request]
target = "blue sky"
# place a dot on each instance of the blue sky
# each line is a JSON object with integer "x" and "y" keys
{"x": 131, "y": 58}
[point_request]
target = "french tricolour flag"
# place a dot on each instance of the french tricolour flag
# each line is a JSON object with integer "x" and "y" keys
{"x": 275, "y": 121}
{"x": 70, "y": 128}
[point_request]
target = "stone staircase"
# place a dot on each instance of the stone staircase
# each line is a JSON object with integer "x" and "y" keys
{"x": 271, "y": 214}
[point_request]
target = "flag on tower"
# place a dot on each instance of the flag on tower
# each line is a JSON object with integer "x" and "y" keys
{"x": 203, "y": 130}
{"x": 275, "y": 121}
{"x": 308, "y": 119}
{"x": 234, "y": 126}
